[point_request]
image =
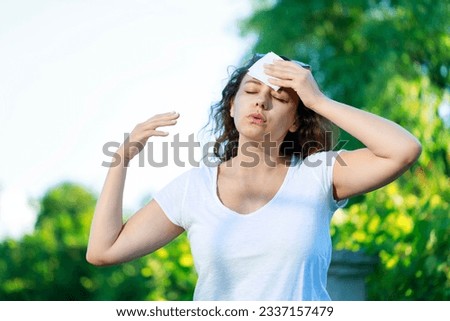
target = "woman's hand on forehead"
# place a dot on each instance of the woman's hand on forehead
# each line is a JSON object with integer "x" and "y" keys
{"x": 288, "y": 74}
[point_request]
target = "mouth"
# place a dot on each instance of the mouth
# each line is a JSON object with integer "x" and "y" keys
{"x": 257, "y": 118}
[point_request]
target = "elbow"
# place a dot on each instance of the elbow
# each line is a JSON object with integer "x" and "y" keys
{"x": 416, "y": 150}
{"x": 93, "y": 259}
{"x": 411, "y": 153}
{"x": 96, "y": 259}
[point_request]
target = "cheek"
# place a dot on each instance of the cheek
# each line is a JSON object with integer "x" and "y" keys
{"x": 290, "y": 112}
{"x": 290, "y": 119}
{"x": 235, "y": 109}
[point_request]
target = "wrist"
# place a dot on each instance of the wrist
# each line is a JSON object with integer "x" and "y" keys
{"x": 320, "y": 102}
{"x": 121, "y": 157}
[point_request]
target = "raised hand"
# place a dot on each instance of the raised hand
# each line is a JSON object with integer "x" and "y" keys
{"x": 289, "y": 74}
{"x": 143, "y": 131}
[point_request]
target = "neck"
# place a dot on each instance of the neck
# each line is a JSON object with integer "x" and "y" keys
{"x": 263, "y": 155}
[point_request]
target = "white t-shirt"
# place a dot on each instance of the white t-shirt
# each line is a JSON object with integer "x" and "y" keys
{"x": 279, "y": 252}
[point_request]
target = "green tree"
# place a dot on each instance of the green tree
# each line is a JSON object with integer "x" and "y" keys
{"x": 390, "y": 58}
{"x": 50, "y": 263}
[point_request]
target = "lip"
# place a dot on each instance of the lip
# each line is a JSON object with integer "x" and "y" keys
{"x": 257, "y": 118}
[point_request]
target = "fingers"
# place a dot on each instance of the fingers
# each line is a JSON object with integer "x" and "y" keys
{"x": 143, "y": 131}
{"x": 285, "y": 70}
{"x": 169, "y": 115}
{"x": 165, "y": 119}
{"x": 285, "y": 83}
{"x": 151, "y": 126}
{"x": 161, "y": 120}
{"x": 159, "y": 133}
{"x": 292, "y": 64}
{"x": 289, "y": 74}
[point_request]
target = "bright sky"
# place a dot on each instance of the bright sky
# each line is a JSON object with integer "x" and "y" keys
{"x": 75, "y": 75}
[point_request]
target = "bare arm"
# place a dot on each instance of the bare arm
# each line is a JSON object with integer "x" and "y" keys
{"x": 390, "y": 149}
{"x": 111, "y": 241}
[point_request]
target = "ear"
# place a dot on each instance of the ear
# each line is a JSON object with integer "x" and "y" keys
{"x": 294, "y": 126}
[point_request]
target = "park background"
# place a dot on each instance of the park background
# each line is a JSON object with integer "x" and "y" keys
{"x": 78, "y": 74}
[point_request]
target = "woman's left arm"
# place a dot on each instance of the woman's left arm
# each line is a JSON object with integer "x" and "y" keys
{"x": 390, "y": 149}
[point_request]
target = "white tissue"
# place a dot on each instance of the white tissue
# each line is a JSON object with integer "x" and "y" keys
{"x": 257, "y": 70}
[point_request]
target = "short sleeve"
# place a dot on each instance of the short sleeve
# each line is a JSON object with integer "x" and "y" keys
{"x": 322, "y": 164}
{"x": 172, "y": 197}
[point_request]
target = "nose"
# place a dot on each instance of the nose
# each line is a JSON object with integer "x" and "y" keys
{"x": 262, "y": 100}
{"x": 261, "y": 104}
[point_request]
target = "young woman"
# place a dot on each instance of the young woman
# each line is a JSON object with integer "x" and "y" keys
{"x": 258, "y": 223}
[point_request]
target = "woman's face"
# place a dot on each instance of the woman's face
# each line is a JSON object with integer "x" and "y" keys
{"x": 259, "y": 110}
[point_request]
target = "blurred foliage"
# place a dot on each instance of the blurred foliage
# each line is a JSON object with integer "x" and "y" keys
{"x": 390, "y": 58}
{"x": 50, "y": 264}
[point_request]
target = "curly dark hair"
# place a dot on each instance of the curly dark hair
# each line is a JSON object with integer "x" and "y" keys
{"x": 314, "y": 133}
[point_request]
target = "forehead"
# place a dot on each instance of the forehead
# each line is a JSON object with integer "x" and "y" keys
{"x": 249, "y": 79}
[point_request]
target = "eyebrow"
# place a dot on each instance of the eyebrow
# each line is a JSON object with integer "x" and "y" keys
{"x": 253, "y": 81}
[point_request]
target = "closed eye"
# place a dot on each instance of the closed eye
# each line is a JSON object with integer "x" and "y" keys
{"x": 251, "y": 90}
{"x": 281, "y": 99}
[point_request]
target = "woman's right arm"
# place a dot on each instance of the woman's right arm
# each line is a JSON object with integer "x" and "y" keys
{"x": 110, "y": 240}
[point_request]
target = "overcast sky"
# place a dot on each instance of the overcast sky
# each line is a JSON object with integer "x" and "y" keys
{"x": 75, "y": 75}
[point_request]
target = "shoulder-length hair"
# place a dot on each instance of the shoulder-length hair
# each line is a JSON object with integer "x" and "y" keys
{"x": 315, "y": 133}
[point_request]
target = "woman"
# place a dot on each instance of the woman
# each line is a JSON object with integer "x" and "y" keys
{"x": 258, "y": 223}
